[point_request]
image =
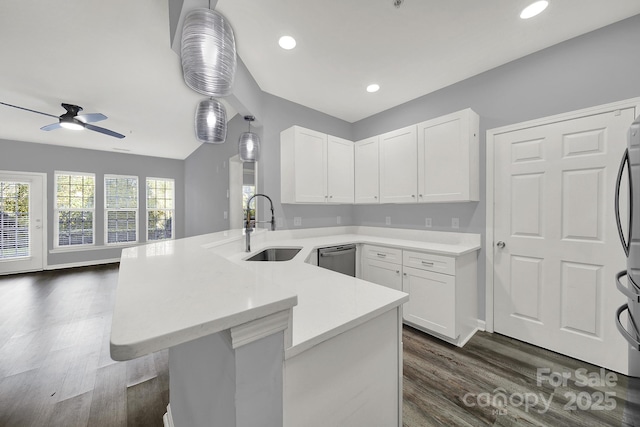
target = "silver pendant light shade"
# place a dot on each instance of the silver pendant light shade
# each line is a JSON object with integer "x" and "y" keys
{"x": 249, "y": 144}
{"x": 208, "y": 53}
{"x": 211, "y": 122}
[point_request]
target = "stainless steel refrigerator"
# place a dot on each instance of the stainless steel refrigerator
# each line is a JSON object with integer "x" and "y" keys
{"x": 628, "y": 281}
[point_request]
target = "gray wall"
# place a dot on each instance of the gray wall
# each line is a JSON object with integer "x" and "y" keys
{"x": 43, "y": 158}
{"x": 597, "y": 68}
{"x": 207, "y": 182}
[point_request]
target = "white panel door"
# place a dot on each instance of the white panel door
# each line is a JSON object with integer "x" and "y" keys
{"x": 21, "y": 222}
{"x": 310, "y": 166}
{"x": 399, "y": 166}
{"x": 339, "y": 170}
{"x": 367, "y": 172}
{"x": 554, "y": 193}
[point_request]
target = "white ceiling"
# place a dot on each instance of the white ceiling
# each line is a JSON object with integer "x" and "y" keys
{"x": 423, "y": 46}
{"x": 114, "y": 57}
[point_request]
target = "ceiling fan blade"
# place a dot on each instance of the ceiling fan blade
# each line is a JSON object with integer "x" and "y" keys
{"x": 52, "y": 126}
{"x": 27, "y": 109}
{"x": 91, "y": 117}
{"x": 104, "y": 131}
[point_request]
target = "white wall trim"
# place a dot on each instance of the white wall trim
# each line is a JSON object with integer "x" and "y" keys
{"x": 490, "y": 147}
{"x": 167, "y": 419}
{"x": 259, "y": 328}
{"x": 82, "y": 264}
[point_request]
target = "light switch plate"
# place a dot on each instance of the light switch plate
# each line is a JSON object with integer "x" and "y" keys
{"x": 226, "y": 215}
{"x": 455, "y": 222}
{"x": 297, "y": 221}
{"x": 338, "y": 220}
{"x": 427, "y": 222}
{"x": 387, "y": 220}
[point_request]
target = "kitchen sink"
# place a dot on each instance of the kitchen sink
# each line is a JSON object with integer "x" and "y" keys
{"x": 275, "y": 254}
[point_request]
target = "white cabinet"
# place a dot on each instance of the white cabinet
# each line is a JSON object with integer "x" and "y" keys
{"x": 340, "y": 173}
{"x": 398, "y": 166}
{"x": 382, "y": 266}
{"x": 367, "y": 185}
{"x": 442, "y": 294}
{"x": 448, "y": 158}
{"x": 432, "y": 301}
{"x": 315, "y": 167}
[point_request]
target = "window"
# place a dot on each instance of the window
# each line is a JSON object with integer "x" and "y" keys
{"x": 74, "y": 208}
{"x": 160, "y": 208}
{"x": 121, "y": 208}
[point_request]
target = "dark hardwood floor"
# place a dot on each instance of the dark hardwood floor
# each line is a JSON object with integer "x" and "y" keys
{"x": 55, "y": 369}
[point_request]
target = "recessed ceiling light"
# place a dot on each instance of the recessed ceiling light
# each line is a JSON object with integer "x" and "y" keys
{"x": 373, "y": 88}
{"x": 533, "y": 9}
{"x": 287, "y": 42}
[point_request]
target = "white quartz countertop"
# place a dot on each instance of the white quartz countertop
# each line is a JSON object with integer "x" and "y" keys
{"x": 176, "y": 291}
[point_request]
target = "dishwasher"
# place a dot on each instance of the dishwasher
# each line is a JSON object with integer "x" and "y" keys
{"x": 338, "y": 258}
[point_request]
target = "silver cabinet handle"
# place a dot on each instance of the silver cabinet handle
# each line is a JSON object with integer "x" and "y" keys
{"x": 428, "y": 264}
{"x": 404, "y": 274}
{"x": 413, "y": 195}
{"x": 382, "y": 255}
{"x": 625, "y": 290}
{"x": 375, "y": 197}
{"x": 397, "y": 271}
{"x": 616, "y": 205}
{"x": 630, "y": 338}
{"x": 501, "y": 244}
{"x": 331, "y": 197}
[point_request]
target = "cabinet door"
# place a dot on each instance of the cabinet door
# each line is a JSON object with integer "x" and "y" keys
{"x": 382, "y": 273}
{"x": 310, "y": 164}
{"x": 339, "y": 170}
{"x": 448, "y": 158}
{"x": 398, "y": 166}
{"x": 367, "y": 185}
{"x": 431, "y": 301}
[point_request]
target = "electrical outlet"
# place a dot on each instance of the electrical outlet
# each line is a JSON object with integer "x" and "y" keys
{"x": 455, "y": 222}
{"x": 338, "y": 220}
{"x": 227, "y": 193}
{"x": 279, "y": 222}
{"x": 387, "y": 220}
{"x": 427, "y": 222}
{"x": 297, "y": 221}
{"x": 226, "y": 215}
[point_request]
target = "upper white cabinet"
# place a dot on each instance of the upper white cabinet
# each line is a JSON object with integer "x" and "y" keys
{"x": 448, "y": 158}
{"x": 367, "y": 184}
{"x": 340, "y": 172}
{"x": 315, "y": 167}
{"x": 433, "y": 161}
{"x": 398, "y": 166}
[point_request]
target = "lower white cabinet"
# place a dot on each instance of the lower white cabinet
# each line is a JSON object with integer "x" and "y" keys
{"x": 382, "y": 273}
{"x": 443, "y": 296}
{"x": 431, "y": 301}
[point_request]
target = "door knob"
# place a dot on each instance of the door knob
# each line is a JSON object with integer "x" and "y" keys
{"x": 501, "y": 244}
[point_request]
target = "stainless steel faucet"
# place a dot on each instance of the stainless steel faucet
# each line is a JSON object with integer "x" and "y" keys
{"x": 247, "y": 225}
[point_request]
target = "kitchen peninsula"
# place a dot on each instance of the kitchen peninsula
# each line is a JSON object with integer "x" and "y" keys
{"x": 270, "y": 343}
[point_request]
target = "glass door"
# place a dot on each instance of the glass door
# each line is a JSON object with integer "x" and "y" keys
{"x": 21, "y": 222}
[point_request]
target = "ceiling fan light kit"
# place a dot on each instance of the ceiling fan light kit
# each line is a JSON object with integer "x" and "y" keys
{"x": 73, "y": 120}
{"x": 211, "y": 122}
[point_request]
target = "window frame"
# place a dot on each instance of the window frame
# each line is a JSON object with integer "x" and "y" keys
{"x": 107, "y": 209}
{"x": 57, "y": 210}
{"x": 148, "y": 209}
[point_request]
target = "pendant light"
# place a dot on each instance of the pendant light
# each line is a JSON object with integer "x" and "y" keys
{"x": 249, "y": 144}
{"x": 208, "y": 53}
{"x": 211, "y": 122}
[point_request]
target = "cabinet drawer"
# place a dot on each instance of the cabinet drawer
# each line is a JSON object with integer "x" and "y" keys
{"x": 430, "y": 262}
{"x": 383, "y": 254}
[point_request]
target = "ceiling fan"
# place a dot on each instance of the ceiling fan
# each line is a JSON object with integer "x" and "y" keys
{"x": 72, "y": 120}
